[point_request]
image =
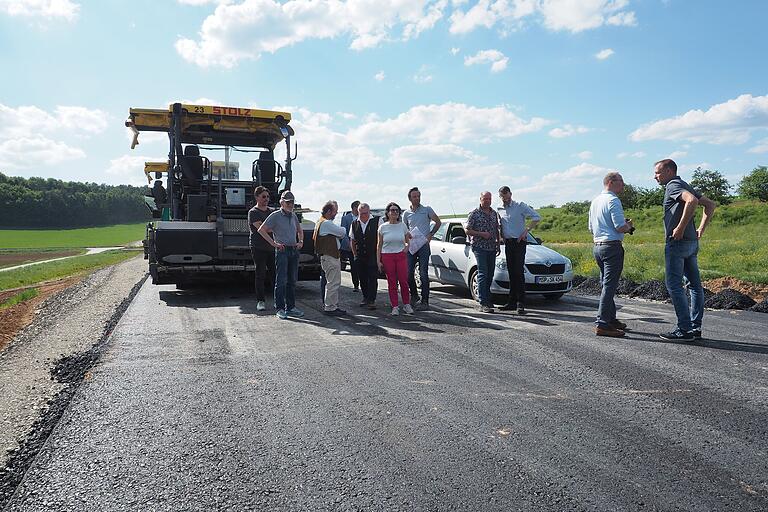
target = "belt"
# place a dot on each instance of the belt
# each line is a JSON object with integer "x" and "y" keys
{"x": 609, "y": 242}
{"x": 513, "y": 240}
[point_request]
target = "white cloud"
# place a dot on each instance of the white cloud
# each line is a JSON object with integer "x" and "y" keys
{"x": 448, "y": 123}
{"x": 585, "y": 155}
{"x": 495, "y": 58}
{"x": 567, "y": 130}
{"x": 379, "y": 76}
{"x": 235, "y": 32}
{"x": 636, "y": 154}
{"x": 575, "y": 183}
{"x": 455, "y": 51}
{"x": 678, "y": 154}
{"x": 346, "y": 115}
{"x": 36, "y": 9}
{"x": 31, "y": 152}
{"x": 422, "y": 76}
{"x": 762, "y": 147}
{"x": 604, "y": 54}
{"x": 438, "y": 162}
{"x": 129, "y": 169}
{"x": 569, "y": 15}
{"x": 731, "y": 122}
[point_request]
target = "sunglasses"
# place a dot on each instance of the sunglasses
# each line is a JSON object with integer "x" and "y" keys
{"x": 394, "y": 210}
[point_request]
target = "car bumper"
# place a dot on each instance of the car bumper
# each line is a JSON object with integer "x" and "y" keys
{"x": 500, "y": 284}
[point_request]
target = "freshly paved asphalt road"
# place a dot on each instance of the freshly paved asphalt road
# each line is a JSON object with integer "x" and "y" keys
{"x": 200, "y": 403}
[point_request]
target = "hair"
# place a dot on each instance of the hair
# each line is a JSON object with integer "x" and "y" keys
{"x": 363, "y": 205}
{"x": 355, "y": 204}
{"x": 390, "y": 205}
{"x": 258, "y": 191}
{"x": 504, "y": 190}
{"x": 667, "y": 165}
{"x": 327, "y": 208}
{"x": 610, "y": 178}
{"x": 414, "y": 189}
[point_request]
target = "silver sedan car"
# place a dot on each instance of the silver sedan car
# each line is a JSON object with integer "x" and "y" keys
{"x": 547, "y": 272}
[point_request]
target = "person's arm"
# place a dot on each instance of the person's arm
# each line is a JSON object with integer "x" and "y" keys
{"x": 472, "y": 232}
{"x": 352, "y": 242}
{"x": 534, "y": 217}
{"x": 691, "y": 203}
{"x": 299, "y": 233}
{"x": 379, "y": 243}
{"x": 620, "y": 223}
{"x": 265, "y": 232}
{"x": 434, "y": 218}
{"x": 709, "y": 210}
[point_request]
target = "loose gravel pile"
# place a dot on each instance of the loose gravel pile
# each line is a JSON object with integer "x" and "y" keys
{"x": 760, "y": 307}
{"x": 651, "y": 290}
{"x": 589, "y": 286}
{"x": 729, "y": 299}
{"x": 626, "y": 287}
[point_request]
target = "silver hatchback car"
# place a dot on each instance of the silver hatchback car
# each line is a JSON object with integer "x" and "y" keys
{"x": 547, "y": 272}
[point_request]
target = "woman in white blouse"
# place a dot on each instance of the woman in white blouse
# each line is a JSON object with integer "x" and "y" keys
{"x": 390, "y": 254}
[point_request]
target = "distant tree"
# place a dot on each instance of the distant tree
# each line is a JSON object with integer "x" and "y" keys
{"x": 629, "y": 196}
{"x": 712, "y": 184}
{"x": 547, "y": 206}
{"x": 649, "y": 197}
{"x": 576, "y": 207}
{"x": 755, "y": 184}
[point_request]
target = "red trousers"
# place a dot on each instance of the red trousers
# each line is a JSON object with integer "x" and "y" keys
{"x": 396, "y": 269}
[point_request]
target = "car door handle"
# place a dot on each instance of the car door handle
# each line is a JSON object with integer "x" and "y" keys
{"x": 442, "y": 250}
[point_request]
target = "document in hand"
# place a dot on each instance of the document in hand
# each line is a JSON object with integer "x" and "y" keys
{"x": 418, "y": 239}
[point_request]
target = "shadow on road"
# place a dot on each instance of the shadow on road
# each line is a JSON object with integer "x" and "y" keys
{"x": 739, "y": 346}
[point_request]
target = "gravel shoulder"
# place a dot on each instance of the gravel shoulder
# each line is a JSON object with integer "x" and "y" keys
{"x": 35, "y": 368}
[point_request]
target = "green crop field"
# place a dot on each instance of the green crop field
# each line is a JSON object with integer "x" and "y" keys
{"x": 108, "y": 236}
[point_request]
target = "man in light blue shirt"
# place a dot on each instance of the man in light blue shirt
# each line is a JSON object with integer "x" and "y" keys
{"x": 421, "y": 217}
{"x": 515, "y": 234}
{"x": 608, "y": 225}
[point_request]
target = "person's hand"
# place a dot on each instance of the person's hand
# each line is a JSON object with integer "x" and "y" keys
{"x": 300, "y": 244}
{"x": 523, "y": 235}
{"x": 677, "y": 233}
{"x": 699, "y": 233}
{"x": 429, "y": 237}
{"x": 381, "y": 266}
{"x": 485, "y": 234}
{"x": 498, "y": 249}
{"x": 279, "y": 246}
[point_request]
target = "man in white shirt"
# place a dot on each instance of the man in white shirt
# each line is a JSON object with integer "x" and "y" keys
{"x": 327, "y": 238}
{"x": 515, "y": 234}
{"x": 608, "y": 225}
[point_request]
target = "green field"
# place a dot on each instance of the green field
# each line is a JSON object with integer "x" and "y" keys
{"x": 63, "y": 268}
{"x": 735, "y": 244}
{"x": 108, "y": 236}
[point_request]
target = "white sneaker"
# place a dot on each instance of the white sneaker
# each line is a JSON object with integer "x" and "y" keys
{"x": 261, "y": 306}
{"x": 407, "y": 309}
{"x": 395, "y": 311}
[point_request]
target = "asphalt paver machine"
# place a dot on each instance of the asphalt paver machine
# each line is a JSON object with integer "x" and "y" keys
{"x": 200, "y": 225}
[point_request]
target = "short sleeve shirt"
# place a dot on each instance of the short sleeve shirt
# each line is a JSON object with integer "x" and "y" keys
{"x": 674, "y": 205}
{"x": 392, "y": 237}
{"x": 256, "y": 240}
{"x": 479, "y": 220}
{"x": 513, "y": 218}
{"x": 283, "y": 226}
{"x": 419, "y": 218}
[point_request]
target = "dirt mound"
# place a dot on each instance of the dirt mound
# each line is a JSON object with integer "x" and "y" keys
{"x": 589, "y": 286}
{"x": 760, "y": 307}
{"x": 729, "y": 299}
{"x": 577, "y": 280}
{"x": 626, "y": 286}
{"x": 651, "y": 290}
{"x": 758, "y": 292}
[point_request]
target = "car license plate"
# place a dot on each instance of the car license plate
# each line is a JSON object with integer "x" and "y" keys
{"x": 549, "y": 279}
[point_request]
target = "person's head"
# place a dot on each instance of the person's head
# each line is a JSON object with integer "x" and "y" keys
{"x": 664, "y": 170}
{"x": 613, "y": 182}
{"x": 261, "y": 195}
{"x": 286, "y": 201}
{"x": 505, "y": 194}
{"x": 414, "y": 196}
{"x": 329, "y": 210}
{"x": 485, "y": 199}
{"x": 355, "y": 205}
{"x": 393, "y": 212}
{"x": 364, "y": 212}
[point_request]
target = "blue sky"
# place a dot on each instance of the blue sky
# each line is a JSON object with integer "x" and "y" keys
{"x": 455, "y": 97}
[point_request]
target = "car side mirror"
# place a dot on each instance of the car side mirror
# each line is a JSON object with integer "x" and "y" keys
{"x": 538, "y": 240}
{"x": 461, "y": 240}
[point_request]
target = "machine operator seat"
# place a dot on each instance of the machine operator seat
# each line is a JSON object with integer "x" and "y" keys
{"x": 192, "y": 168}
{"x": 265, "y": 172}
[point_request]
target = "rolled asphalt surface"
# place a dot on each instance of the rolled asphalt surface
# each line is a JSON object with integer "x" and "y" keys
{"x": 201, "y": 403}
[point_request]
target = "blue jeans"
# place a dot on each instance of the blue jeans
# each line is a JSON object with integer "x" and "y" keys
{"x": 610, "y": 260}
{"x": 681, "y": 259}
{"x": 286, "y": 275}
{"x": 485, "y": 270}
{"x": 422, "y": 256}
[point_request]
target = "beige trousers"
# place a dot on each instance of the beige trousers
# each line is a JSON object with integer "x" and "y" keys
{"x": 332, "y": 268}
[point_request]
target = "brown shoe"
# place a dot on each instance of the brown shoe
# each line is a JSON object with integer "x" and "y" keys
{"x": 616, "y": 324}
{"x": 609, "y": 331}
{"x": 371, "y": 306}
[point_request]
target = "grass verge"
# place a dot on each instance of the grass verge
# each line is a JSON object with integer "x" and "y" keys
{"x": 120, "y": 234}
{"x": 19, "y": 298}
{"x": 58, "y": 269}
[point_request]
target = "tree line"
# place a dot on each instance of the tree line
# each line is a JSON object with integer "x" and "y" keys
{"x": 50, "y": 203}
{"x": 710, "y": 183}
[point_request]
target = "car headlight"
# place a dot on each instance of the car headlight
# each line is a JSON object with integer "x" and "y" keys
{"x": 501, "y": 264}
{"x": 568, "y": 265}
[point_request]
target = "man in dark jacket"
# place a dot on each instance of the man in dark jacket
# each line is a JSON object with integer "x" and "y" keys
{"x": 363, "y": 239}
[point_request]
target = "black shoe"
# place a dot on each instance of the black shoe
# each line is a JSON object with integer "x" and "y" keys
{"x": 696, "y": 333}
{"x": 677, "y": 335}
{"x": 335, "y": 312}
{"x": 421, "y": 305}
{"x": 521, "y": 310}
{"x": 363, "y": 304}
{"x": 509, "y": 306}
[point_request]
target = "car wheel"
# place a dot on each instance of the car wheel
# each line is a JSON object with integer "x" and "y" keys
{"x": 474, "y": 285}
{"x": 553, "y": 296}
